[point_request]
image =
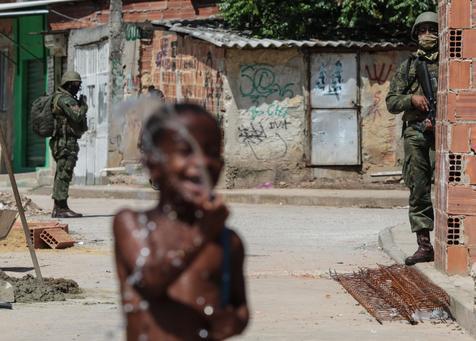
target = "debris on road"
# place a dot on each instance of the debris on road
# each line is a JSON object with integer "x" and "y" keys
{"x": 396, "y": 292}
{"x": 27, "y": 289}
{"x": 7, "y": 201}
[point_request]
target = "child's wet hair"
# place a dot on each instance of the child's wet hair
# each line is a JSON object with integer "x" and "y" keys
{"x": 156, "y": 124}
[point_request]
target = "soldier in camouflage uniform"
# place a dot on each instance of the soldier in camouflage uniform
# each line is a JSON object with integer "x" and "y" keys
{"x": 406, "y": 95}
{"x": 70, "y": 125}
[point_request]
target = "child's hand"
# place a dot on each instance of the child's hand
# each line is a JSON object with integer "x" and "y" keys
{"x": 211, "y": 216}
{"x": 224, "y": 323}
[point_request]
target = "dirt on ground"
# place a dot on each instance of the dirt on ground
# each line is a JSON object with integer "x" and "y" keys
{"x": 27, "y": 289}
{"x": 15, "y": 241}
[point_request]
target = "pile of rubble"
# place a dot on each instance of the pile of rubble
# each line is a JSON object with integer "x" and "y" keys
{"x": 7, "y": 201}
{"x": 28, "y": 289}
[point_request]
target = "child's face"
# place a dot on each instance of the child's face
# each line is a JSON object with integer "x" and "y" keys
{"x": 181, "y": 172}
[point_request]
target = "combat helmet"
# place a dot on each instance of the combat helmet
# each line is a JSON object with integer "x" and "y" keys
{"x": 430, "y": 17}
{"x": 70, "y": 76}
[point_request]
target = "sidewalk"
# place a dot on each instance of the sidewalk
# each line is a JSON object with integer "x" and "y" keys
{"x": 302, "y": 197}
{"x": 398, "y": 242}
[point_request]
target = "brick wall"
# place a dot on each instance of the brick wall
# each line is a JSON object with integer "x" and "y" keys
{"x": 94, "y": 13}
{"x": 456, "y": 139}
{"x": 185, "y": 68}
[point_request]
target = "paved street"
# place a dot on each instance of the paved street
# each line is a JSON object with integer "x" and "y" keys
{"x": 290, "y": 250}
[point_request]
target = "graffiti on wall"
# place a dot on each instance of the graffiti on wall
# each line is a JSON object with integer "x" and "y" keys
{"x": 265, "y": 137}
{"x": 259, "y": 81}
{"x": 274, "y": 110}
{"x": 330, "y": 79}
{"x": 379, "y": 73}
{"x": 374, "y": 110}
{"x": 213, "y": 85}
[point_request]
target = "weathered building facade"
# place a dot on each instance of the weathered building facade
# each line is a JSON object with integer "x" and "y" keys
{"x": 290, "y": 111}
{"x": 113, "y": 55}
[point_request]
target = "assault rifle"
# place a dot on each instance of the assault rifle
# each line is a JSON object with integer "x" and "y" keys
{"x": 424, "y": 79}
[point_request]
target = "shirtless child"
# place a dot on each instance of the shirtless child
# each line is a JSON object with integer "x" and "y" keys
{"x": 180, "y": 269}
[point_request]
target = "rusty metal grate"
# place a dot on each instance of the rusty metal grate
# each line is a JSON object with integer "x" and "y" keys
{"x": 396, "y": 292}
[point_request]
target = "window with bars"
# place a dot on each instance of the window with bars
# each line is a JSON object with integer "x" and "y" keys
{"x": 3, "y": 79}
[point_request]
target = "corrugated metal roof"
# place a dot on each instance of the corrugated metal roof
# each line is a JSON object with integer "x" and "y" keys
{"x": 28, "y": 4}
{"x": 226, "y": 38}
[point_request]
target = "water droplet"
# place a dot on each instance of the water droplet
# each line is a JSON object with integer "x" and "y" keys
{"x": 200, "y": 300}
{"x": 177, "y": 262}
{"x": 171, "y": 254}
{"x": 143, "y": 305}
{"x": 145, "y": 252}
{"x": 143, "y": 337}
{"x": 208, "y": 310}
{"x": 142, "y": 219}
{"x": 172, "y": 215}
{"x": 136, "y": 234}
{"x": 167, "y": 208}
{"x": 203, "y": 333}
{"x": 140, "y": 261}
{"x": 198, "y": 214}
{"x": 151, "y": 226}
{"x": 128, "y": 308}
{"x": 198, "y": 241}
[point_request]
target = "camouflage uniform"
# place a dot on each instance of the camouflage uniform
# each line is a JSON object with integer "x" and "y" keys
{"x": 419, "y": 146}
{"x": 71, "y": 123}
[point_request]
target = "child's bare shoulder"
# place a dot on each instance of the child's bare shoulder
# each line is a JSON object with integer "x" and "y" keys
{"x": 123, "y": 218}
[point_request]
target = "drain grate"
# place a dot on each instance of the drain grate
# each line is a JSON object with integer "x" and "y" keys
{"x": 396, "y": 292}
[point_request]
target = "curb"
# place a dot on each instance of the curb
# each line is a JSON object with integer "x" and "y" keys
{"x": 388, "y": 245}
{"x": 461, "y": 310}
{"x": 356, "y": 199}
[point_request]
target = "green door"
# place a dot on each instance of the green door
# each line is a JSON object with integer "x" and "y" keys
{"x": 35, "y": 87}
{"x": 29, "y": 150}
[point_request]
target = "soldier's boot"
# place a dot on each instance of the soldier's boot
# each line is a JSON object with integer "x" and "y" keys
{"x": 61, "y": 210}
{"x": 425, "y": 250}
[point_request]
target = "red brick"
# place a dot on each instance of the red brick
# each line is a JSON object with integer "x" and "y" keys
{"x": 469, "y": 43}
{"x": 457, "y": 260}
{"x": 459, "y": 74}
{"x": 56, "y": 238}
{"x": 461, "y": 200}
{"x": 472, "y": 138}
{"x": 470, "y": 169}
{"x": 451, "y": 107}
{"x": 460, "y": 14}
{"x": 465, "y": 105}
{"x": 470, "y": 231}
{"x": 459, "y": 139}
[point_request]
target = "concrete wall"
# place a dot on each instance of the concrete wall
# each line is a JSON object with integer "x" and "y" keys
{"x": 265, "y": 117}
{"x": 382, "y": 146}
